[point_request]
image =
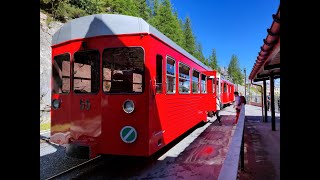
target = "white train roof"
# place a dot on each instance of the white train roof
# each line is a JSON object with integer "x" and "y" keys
{"x": 112, "y": 24}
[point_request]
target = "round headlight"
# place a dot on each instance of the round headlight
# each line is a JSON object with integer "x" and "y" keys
{"x": 128, "y": 106}
{"x": 55, "y": 103}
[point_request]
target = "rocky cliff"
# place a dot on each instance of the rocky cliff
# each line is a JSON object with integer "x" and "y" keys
{"x": 46, "y": 33}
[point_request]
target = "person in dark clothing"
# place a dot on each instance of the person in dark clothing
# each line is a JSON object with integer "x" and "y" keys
{"x": 268, "y": 101}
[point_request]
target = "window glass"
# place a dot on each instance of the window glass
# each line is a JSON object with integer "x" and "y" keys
{"x": 195, "y": 82}
{"x": 171, "y": 75}
{"x": 61, "y": 74}
{"x": 184, "y": 78}
{"x": 123, "y": 70}
{"x": 86, "y": 72}
{"x": 203, "y": 83}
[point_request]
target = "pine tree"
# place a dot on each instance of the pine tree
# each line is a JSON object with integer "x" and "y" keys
{"x": 213, "y": 62}
{"x": 189, "y": 41}
{"x": 167, "y": 23}
{"x": 234, "y": 70}
{"x": 125, "y": 7}
{"x": 143, "y": 9}
{"x": 199, "y": 55}
{"x": 155, "y": 7}
{"x": 90, "y": 6}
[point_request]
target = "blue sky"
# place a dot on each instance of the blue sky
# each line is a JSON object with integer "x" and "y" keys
{"x": 230, "y": 26}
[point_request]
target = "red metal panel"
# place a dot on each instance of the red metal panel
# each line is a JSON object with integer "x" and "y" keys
{"x": 173, "y": 114}
{"x": 158, "y": 119}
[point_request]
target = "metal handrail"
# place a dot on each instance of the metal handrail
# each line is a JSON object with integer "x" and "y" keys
{"x": 230, "y": 165}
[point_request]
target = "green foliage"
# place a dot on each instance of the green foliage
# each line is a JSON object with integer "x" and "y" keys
{"x": 49, "y": 20}
{"x": 199, "y": 55}
{"x": 45, "y": 126}
{"x": 159, "y": 13}
{"x": 66, "y": 11}
{"x": 234, "y": 70}
{"x": 61, "y": 9}
{"x": 167, "y": 23}
{"x": 219, "y": 69}
{"x": 143, "y": 9}
{"x": 89, "y": 6}
{"x": 125, "y": 7}
{"x": 155, "y": 7}
{"x": 213, "y": 62}
{"x": 189, "y": 41}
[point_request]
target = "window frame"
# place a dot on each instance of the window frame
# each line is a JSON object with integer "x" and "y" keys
{"x": 213, "y": 85}
{"x": 161, "y": 74}
{"x": 225, "y": 90}
{"x": 72, "y": 68}
{"x": 193, "y": 69}
{"x": 70, "y": 60}
{"x": 175, "y": 85}
{"x": 143, "y": 74}
{"x": 184, "y": 78}
{"x": 205, "y": 84}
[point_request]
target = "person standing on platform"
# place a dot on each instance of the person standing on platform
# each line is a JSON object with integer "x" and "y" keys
{"x": 237, "y": 106}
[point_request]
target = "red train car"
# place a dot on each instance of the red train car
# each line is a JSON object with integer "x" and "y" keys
{"x": 121, "y": 87}
{"x": 225, "y": 92}
{"x": 231, "y": 94}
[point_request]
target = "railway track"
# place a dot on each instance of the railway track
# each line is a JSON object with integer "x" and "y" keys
{"x": 77, "y": 167}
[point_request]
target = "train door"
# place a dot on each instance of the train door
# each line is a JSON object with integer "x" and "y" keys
{"x": 86, "y": 100}
{"x": 157, "y": 101}
{"x": 227, "y": 92}
{"x": 60, "y": 114}
{"x": 125, "y": 100}
{"x": 218, "y": 99}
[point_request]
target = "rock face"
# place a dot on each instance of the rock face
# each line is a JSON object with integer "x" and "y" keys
{"x": 46, "y": 33}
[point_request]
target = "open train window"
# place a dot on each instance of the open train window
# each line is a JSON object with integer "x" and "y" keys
{"x": 159, "y": 74}
{"x": 171, "y": 75}
{"x": 224, "y": 87}
{"x": 123, "y": 70}
{"x": 203, "y": 83}
{"x": 61, "y": 74}
{"x": 195, "y": 82}
{"x": 86, "y": 72}
{"x": 184, "y": 78}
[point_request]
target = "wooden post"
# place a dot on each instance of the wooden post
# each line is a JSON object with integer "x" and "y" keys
{"x": 273, "y": 118}
{"x": 265, "y": 101}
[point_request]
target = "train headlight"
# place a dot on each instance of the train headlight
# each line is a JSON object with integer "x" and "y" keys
{"x": 55, "y": 103}
{"x": 128, "y": 106}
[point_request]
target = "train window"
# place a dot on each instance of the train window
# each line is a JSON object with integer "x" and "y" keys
{"x": 159, "y": 74}
{"x": 213, "y": 85}
{"x": 224, "y": 87}
{"x": 184, "y": 78}
{"x": 86, "y": 72}
{"x": 203, "y": 83}
{"x": 217, "y": 85}
{"x": 61, "y": 74}
{"x": 171, "y": 75}
{"x": 195, "y": 82}
{"x": 123, "y": 70}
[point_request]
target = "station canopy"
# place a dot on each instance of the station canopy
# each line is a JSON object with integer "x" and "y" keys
{"x": 268, "y": 60}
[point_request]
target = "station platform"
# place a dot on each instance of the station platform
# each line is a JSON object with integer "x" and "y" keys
{"x": 198, "y": 154}
{"x": 262, "y": 146}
